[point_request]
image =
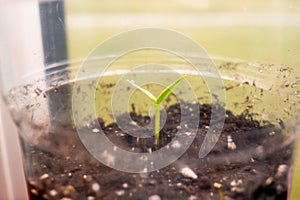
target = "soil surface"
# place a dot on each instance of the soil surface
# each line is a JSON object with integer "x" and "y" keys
{"x": 250, "y": 161}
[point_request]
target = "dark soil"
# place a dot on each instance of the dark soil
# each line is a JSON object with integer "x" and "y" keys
{"x": 255, "y": 167}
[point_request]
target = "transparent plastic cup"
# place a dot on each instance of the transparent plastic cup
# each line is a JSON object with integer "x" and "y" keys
{"x": 260, "y": 146}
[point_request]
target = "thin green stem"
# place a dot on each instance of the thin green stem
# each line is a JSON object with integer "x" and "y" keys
{"x": 157, "y": 121}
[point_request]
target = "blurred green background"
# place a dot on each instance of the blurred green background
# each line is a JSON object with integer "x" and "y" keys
{"x": 265, "y": 31}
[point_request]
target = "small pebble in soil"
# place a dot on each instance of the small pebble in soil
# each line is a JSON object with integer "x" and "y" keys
{"x": 272, "y": 133}
{"x": 253, "y": 171}
{"x": 227, "y": 198}
{"x": 34, "y": 191}
{"x": 230, "y": 144}
{"x": 95, "y": 130}
{"x": 65, "y": 198}
{"x": 259, "y": 150}
{"x": 87, "y": 178}
{"x": 125, "y": 185}
{"x": 187, "y": 172}
{"x": 133, "y": 123}
{"x": 217, "y": 185}
{"x": 154, "y": 197}
{"x": 109, "y": 158}
{"x": 236, "y": 183}
{"x": 121, "y": 134}
{"x": 193, "y": 197}
{"x": 44, "y": 176}
{"x": 144, "y": 175}
{"x": 188, "y": 133}
{"x": 95, "y": 187}
{"x": 33, "y": 183}
{"x": 153, "y": 182}
{"x": 176, "y": 144}
{"x": 237, "y": 190}
{"x": 68, "y": 190}
{"x": 269, "y": 180}
{"x": 236, "y": 186}
{"x": 144, "y": 158}
{"x": 281, "y": 170}
{"x": 279, "y": 188}
{"x": 120, "y": 192}
{"x": 233, "y": 183}
{"x": 53, "y": 193}
{"x": 90, "y": 198}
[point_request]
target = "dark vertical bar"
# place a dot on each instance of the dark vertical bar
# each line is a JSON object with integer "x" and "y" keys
{"x": 53, "y": 31}
{"x": 55, "y": 52}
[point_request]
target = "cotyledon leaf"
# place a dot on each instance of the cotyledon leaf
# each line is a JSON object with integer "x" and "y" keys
{"x": 167, "y": 91}
{"x": 149, "y": 94}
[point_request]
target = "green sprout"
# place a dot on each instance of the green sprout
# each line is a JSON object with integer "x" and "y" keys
{"x": 158, "y": 100}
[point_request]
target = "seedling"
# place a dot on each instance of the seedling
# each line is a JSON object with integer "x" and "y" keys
{"x": 158, "y": 100}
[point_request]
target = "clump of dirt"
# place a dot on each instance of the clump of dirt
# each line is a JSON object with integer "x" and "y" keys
{"x": 249, "y": 161}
